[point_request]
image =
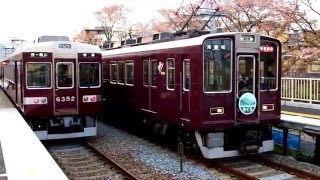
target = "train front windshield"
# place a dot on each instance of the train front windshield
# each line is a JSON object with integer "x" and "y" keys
{"x": 89, "y": 74}
{"x": 217, "y": 76}
{"x": 38, "y": 75}
{"x": 217, "y": 65}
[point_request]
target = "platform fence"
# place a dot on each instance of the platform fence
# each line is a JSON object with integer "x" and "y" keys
{"x": 305, "y": 90}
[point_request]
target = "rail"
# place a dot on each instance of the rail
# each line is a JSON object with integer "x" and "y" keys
{"x": 306, "y": 90}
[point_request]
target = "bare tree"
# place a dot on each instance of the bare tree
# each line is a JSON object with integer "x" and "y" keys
{"x": 177, "y": 17}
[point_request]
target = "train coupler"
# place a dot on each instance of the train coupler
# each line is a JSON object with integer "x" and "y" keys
{"x": 249, "y": 148}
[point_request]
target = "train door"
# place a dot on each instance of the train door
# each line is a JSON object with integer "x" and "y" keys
{"x": 247, "y": 94}
{"x": 146, "y": 86}
{"x": 185, "y": 90}
{"x": 150, "y": 74}
{"x": 65, "y": 87}
{"x": 1, "y": 74}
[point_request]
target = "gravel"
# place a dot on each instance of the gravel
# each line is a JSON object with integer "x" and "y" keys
{"x": 161, "y": 160}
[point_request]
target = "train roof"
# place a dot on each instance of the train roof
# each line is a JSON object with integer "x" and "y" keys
{"x": 172, "y": 44}
{"x": 58, "y": 46}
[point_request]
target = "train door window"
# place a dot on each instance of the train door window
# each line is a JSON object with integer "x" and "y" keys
{"x": 146, "y": 72}
{"x": 186, "y": 75}
{"x": 170, "y": 74}
{"x": 269, "y": 65}
{"x": 106, "y": 71}
{"x": 246, "y": 73}
{"x": 217, "y": 65}
{"x": 38, "y": 75}
{"x": 64, "y": 74}
{"x": 89, "y": 74}
{"x": 121, "y": 72}
{"x": 113, "y": 72}
{"x": 129, "y": 73}
{"x": 154, "y": 73}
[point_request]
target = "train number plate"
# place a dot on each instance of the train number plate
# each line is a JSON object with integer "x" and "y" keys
{"x": 65, "y": 99}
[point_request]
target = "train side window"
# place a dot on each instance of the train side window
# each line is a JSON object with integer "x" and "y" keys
{"x": 89, "y": 74}
{"x": 154, "y": 73}
{"x": 113, "y": 72}
{"x": 129, "y": 73}
{"x": 269, "y": 65}
{"x": 145, "y": 72}
{"x": 64, "y": 74}
{"x": 217, "y": 65}
{"x": 38, "y": 75}
{"x": 186, "y": 75}
{"x": 106, "y": 71}
{"x": 121, "y": 72}
{"x": 170, "y": 74}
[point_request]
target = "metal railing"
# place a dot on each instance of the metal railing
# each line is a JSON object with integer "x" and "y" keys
{"x": 305, "y": 90}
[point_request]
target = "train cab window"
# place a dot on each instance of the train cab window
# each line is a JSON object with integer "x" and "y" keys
{"x": 268, "y": 65}
{"x": 170, "y": 74}
{"x": 145, "y": 72}
{"x": 89, "y": 74}
{"x": 186, "y": 75}
{"x": 217, "y": 65}
{"x": 64, "y": 74}
{"x": 38, "y": 75}
{"x": 129, "y": 73}
{"x": 113, "y": 72}
{"x": 121, "y": 72}
{"x": 154, "y": 73}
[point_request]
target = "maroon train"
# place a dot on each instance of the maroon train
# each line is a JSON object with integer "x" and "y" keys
{"x": 224, "y": 88}
{"x": 56, "y": 85}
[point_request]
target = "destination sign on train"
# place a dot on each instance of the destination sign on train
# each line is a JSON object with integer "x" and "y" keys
{"x": 65, "y": 46}
{"x": 247, "y": 38}
{"x": 266, "y": 49}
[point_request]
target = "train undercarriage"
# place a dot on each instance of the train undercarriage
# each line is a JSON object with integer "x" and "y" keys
{"x": 235, "y": 142}
{"x": 231, "y": 142}
{"x": 64, "y": 127}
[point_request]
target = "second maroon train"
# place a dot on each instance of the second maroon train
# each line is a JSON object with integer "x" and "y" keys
{"x": 222, "y": 88}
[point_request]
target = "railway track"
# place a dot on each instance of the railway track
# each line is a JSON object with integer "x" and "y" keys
{"x": 257, "y": 167}
{"x": 83, "y": 161}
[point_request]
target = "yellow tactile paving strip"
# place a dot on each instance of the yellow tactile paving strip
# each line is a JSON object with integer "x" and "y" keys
{"x": 301, "y": 114}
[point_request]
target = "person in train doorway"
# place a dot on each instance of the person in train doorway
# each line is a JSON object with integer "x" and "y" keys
{"x": 242, "y": 83}
{"x": 245, "y": 83}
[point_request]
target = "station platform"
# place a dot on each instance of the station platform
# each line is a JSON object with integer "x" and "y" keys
{"x": 300, "y": 109}
{"x": 22, "y": 155}
{"x": 301, "y": 116}
{"x": 304, "y": 117}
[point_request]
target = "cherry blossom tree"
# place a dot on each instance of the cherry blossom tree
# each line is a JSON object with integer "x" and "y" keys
{"x": 306, "y": 48}
{"x": 111, "y": 17}
{"x": 90, "y": 36}
{"x": 151, "y": 27}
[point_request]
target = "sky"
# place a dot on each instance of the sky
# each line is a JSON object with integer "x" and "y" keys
{"x": 28, "y": 19}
